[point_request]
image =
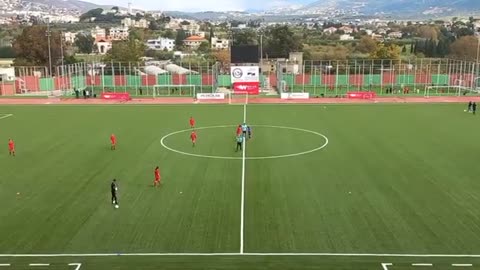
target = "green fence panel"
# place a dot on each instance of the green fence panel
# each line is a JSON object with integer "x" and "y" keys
{"x": 289, "y": 79}
{"x": 342, "y": 80}
{"x": 164, "y": 79}
{"x": 79, "y": 82}
{"x": 440, "y": 79}
{"x": 372, "y": 79}
{"x": 47, "y": 84}
{"x": 134, "y": 81}
{"x": 224, "y": 80}
{"x": 194, "y": 79}
{"x": 107, "y": 81}
{"x": 316, "y": 80}
{"x": 405, "y": 79}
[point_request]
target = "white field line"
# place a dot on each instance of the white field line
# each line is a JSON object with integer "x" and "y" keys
{"x": 386, "y": 265}
{"x": 242, "y": 206}
{"x": 78, "y": 265}
{"x": 462, "y": 264}
{"x": 421, "y": 264}
{"x": 3, "y": 116}
{"x": 39, "y": 264}
{"x": 4, "y": 264}
{"x": 249, "y": 254}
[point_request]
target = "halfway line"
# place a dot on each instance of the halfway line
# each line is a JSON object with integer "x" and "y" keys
{"x": 242, "y": 206}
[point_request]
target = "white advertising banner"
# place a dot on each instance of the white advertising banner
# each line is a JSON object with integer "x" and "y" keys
{"x": 295, "y": 95}
{"x": 210, "y": 95}
{"x": 245, "y": 74}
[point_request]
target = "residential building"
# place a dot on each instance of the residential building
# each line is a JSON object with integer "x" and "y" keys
{"x": 396, "y": 34}
{"x": 161, "y": 44}
{"x": 346, "y": 37}
{"x": 142, "y": 23}
{"x": 103, "y": 45}
{"x": 346, "y": 29}
{"x": 118, "y": 33}
{"x": 69, "y": 37}
{"x": 193, "y": 42}
{"x": 220, "y": 43}
{"x": 191, "y": 29}
{"x": 98, "y": 32}
{"x": 330, "y": 30}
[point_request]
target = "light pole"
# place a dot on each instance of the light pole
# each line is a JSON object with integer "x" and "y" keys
{"x": 49, "y": 48}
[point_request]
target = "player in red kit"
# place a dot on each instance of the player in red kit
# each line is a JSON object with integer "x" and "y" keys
{"x": 239, "y": 130}
{"x": 11, "y": 147}
{"x": 193, "y": 137}
{"x": 157, "y": 177}
{"x": 192, "y": 122}
{"x": 113, "y": 141}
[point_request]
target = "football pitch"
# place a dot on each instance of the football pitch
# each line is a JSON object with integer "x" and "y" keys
{"x": 379, "y": 186}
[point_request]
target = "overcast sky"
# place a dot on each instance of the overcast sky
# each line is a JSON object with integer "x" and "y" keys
{"x": 201, "y": 5}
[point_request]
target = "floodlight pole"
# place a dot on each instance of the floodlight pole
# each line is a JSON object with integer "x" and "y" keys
{"x": 49, "y": 47}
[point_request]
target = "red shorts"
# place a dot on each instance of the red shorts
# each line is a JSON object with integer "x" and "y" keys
{"x": 11, "y": 149}
{"x": 194, "y": 141}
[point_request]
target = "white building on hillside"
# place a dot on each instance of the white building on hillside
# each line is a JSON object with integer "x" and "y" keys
{"x": 161, "y": 44}
{"x": 119, "y": 33}
{"x": 220, "y": 43}
{"x": 142, "y": 23}
{"x": 69, "y": 37}
{"x": 346, "y": 37}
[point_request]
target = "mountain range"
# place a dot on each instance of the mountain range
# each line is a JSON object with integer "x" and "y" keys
{"x": 325, "y": 8}
{"x": 392, "y": 8}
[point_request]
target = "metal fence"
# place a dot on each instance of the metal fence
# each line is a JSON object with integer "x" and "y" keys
{"x": 319, "y": 78}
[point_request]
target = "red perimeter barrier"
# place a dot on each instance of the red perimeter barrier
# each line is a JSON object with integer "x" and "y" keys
{"x": 116, "y": 96}
{"x": 361, "y": 95}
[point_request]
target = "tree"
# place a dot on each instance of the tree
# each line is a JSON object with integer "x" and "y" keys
{"x": 404, "y": 49}
{"x": 31, "y": 47}
{"x": 465, "y": 48}
{"x": 461, "y": 32}
{"x": 169, "y": 34}
{"x": 366, "y": 45}
{"x": 245, "y": 37}
{"x": 428, "y": 32}
{"x": 391, "y": 51}
{"x": 126, "y": 51}
{"x": 84, "y": 43}
{"x": 281, "y": 41}
{"x": 181, "y": 35}
{"x": 222, "y": 56}
{"x": 93, "y": 13}
{"x": 204, "y": 48}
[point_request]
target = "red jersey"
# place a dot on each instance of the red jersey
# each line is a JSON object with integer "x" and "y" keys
{"x": 193, "y": 136}
{"x": 113, "y": 139}
{"x": 157, "y": 174}
{"x": 239, "y": 130}
{"x": 11, "y": 144}
{"x": 192, "y": 121}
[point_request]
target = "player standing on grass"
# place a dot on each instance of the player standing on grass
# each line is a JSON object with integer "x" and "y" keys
{"x": 113, "y": 141}
{"x": 193, "y": 137}
{"x": 474, "y": 107}
{"x": 192, "y": 122}
{"x": 239, "y": 130}
{"x": 11, "y": 147}
{"x": 249, "y": 129}
{"x": 239, "y": 142}
{"x": 114, "y": 189}
{"x": 244, "y": 130}
{"x": 157, "y": 177}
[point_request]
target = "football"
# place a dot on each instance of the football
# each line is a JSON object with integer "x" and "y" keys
{"x": 116, "y": 206}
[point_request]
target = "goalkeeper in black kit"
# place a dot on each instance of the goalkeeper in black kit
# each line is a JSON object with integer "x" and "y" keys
{"x": 114, "y": 189}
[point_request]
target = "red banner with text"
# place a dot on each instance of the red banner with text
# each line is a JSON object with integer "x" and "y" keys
{"x": 116, "y": 96}
{"x": 361, "y": 95}
{"x": 251, "y": 88}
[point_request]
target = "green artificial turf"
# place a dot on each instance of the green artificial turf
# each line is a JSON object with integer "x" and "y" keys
{"x": 398, "y": 179}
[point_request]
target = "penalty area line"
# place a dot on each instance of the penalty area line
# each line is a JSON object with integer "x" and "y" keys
{"x": 5, "y": 115}
{"x": 392, "y": 255}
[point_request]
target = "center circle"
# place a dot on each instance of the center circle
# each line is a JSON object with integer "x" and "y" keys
{"x": 162, "y": 142}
